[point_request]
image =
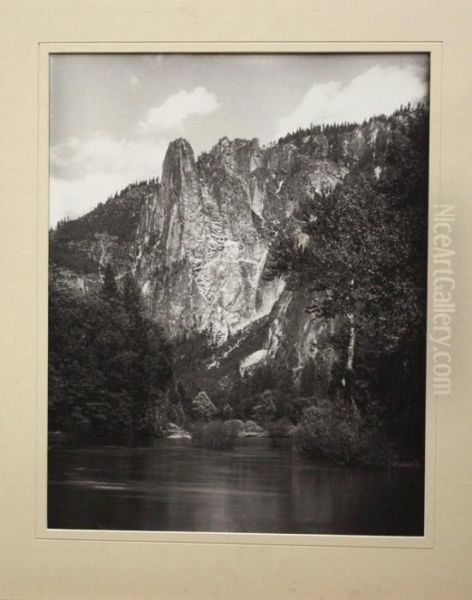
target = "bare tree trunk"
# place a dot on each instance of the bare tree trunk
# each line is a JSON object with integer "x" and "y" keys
{"x": 351, "y": 350}
{"x": 352, "y": 346}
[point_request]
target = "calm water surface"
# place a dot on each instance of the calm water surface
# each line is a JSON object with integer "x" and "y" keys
{"x": 172, "y": 486}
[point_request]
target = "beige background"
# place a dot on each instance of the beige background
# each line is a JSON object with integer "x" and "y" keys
{"x": 34, "y": 567}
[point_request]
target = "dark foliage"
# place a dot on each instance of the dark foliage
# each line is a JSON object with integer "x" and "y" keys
{"x": 109, "y": 366}
{"x": 70, "y": 256}
{"x": 364, "y": 261}
{"x": 216, "y": 435}
{"x": 330, "y": 430}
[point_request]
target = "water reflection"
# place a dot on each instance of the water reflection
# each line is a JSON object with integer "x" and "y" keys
{"x": 255, "y": 488}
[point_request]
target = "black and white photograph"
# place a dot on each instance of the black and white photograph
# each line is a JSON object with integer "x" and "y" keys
{"x": 237, "y": 294}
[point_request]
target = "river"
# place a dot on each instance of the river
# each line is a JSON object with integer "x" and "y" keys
{"x": 172, "y": 486}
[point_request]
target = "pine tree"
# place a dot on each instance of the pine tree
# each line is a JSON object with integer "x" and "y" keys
{"x": 109, "y": 287}
{"x": 132, "y": 299}
{"x": 307, "y": 379}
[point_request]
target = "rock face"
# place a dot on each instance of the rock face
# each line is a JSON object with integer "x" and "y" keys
{"x": 209, "y": 245}
{"x": 198, "y": 240}
{"x": 202, "y": 243}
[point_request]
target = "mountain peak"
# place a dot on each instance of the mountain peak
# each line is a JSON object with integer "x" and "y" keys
{"x": 180, "y": 144}
{"x": 179, "y": 159}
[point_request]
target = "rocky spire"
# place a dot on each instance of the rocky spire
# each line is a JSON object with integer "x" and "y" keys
{"x": 179, "y": 162}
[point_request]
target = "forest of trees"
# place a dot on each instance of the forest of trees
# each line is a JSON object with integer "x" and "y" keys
{"x": 364, "y": 261}
{"x": 109, "y": 366}
{"x": 114, "y": 377}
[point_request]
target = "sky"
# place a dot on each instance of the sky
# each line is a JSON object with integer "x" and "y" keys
{"x": 112, "y": 116}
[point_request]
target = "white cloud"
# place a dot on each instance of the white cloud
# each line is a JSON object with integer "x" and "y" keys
{"x": 84, "y": 173}
{"x": 104, "y": 154}
{"x": 178, "y": 107}
{"x": 378, "y": 90}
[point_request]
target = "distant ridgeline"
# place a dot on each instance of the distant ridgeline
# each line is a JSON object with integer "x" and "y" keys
{"x": 287, "y": 282}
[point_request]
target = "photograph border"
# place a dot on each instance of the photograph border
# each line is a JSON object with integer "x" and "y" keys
{"x": 45, "y": 49}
